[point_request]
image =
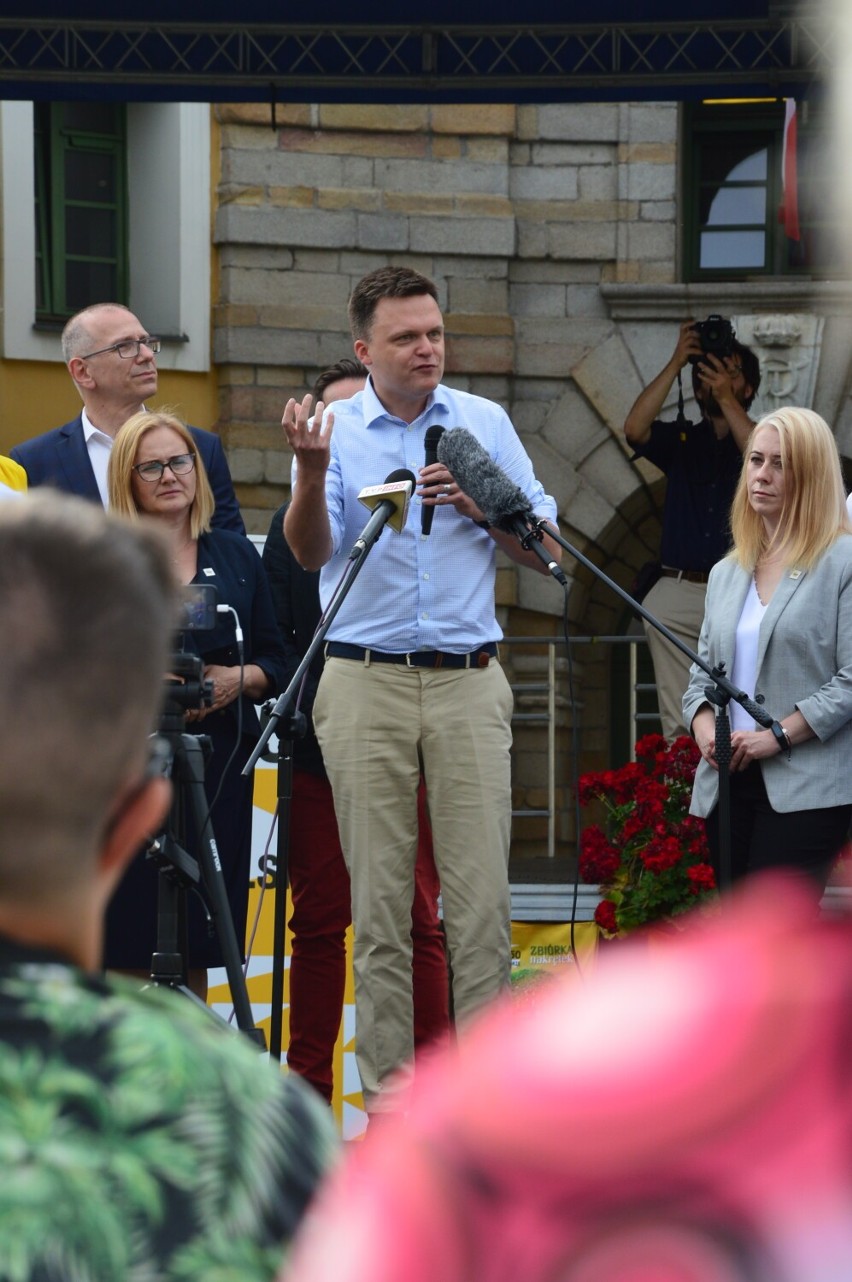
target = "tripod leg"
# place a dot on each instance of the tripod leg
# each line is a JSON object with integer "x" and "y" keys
{"x": 168, "y": 964}
{"x": 192, "y": 773}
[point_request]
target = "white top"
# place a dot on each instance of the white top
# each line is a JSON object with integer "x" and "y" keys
{"x": 99, "y": 446}
{"x": 744, "y": 671}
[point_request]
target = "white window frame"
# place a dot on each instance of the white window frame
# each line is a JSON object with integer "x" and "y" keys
{"x": 168, "y": 181}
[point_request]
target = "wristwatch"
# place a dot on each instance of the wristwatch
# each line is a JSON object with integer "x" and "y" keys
{"x": 782, "y": 738}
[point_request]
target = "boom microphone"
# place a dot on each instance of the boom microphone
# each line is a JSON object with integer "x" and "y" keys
{"x": 433, "y": 436}
{"x": 389, "y": 504}
{"x": 502, "y": 503}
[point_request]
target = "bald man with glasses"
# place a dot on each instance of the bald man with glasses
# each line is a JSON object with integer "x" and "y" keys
{"x": 111, "y": 359}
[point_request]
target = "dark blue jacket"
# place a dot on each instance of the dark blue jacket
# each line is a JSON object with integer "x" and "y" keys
{"x": 295, "y": 594}
{"x": 232, "y": 565}
{"x": 60, "y": 458}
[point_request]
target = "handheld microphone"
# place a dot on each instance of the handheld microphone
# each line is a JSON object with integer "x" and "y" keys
{"x": 389, "y": 504}
{"x": 502, "y": 503}
{"x": 433, "y": 436}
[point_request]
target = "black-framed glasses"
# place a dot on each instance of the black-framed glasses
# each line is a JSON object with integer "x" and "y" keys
{"x": 178, "y": 465}
{"x": 128, "y": 348}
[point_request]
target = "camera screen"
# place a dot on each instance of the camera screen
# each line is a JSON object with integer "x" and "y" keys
{"x": 198, "y": 608}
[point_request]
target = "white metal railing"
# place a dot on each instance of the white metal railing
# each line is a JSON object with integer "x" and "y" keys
{"x": 547, "y": 715}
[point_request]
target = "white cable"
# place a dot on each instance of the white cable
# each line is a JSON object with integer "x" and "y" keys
{"x": 238, "y": 632}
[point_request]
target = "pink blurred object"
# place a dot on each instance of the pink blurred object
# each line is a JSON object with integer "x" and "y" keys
{"x": 683, "y": 1115}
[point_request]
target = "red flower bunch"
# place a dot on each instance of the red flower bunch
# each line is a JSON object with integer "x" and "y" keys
{"x": 651, "y": 862}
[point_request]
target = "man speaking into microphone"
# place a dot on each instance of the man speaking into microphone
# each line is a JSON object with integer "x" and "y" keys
{"x": 412, "y": 679}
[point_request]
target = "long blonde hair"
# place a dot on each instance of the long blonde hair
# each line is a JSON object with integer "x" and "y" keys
{"x": 814, "y": 509}
{"x": 123, "y": 456}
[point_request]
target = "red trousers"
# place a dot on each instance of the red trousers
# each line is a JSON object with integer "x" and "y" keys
{"x": 319, "y": 887}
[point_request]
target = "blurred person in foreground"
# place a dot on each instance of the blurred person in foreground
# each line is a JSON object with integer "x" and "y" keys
{"x": 156, "y": 474}
{"x": 138, "y": 1138}
{"x": 319, "y": 880}
{"x": 683, "y": 1115}
{"x": 779, "y": 614}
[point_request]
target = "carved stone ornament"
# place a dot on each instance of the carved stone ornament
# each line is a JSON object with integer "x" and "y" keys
{"x": 788, "y": 347}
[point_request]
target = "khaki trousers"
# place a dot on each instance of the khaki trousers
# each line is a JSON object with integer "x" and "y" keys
{"x": 680, "y": 606}
{"x": 378, "y": 726}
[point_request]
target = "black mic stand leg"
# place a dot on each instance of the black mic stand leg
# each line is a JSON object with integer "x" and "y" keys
{"x": 293, "y": 726}
{"x": 720, "y": 699}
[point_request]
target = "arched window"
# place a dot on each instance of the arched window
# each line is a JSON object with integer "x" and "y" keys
{"x": 733, "y": 192}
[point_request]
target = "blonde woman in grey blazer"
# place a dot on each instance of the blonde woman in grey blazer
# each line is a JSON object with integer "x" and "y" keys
{"x": 779, "y": 614}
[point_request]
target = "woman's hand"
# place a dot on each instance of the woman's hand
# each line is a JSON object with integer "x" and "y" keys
{"x": 227, "y": 688}
{"x": 226, "y": 685}
{"x": 704, "y": 734}
{"x": 752, "y": 745}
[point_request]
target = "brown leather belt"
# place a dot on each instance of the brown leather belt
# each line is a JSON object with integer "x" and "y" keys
{"x": 689, "y": 576}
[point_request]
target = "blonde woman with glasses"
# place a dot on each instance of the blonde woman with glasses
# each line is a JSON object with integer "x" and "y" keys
{"x": 156, "y": 474}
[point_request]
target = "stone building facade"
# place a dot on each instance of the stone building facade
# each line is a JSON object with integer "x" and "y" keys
{"x": 552, "y": 233}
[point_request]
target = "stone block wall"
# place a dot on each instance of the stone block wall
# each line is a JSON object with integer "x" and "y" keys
{"x": 551, "y": 232}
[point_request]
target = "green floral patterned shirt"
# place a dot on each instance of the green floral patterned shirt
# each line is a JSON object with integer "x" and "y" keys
{"x": 139, "y": 1141}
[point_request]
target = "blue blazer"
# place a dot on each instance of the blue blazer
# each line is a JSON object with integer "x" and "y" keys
{"x": 804, "y": 661}
{"x": 60, "y": 458}
{"x": 295, "y": 595}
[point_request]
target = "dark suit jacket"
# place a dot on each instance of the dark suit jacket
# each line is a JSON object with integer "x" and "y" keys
{"x": 295, "y": 594}
{"x": 232, "y": 565}
{"x": 60, "y": 458}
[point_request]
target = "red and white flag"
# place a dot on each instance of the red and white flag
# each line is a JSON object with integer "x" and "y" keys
{"x": 788, "y": 213}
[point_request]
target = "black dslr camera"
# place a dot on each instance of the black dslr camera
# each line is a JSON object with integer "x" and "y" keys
{"x": 716, "y": 335}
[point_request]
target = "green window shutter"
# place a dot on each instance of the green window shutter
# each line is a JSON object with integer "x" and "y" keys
{"x": 81, "y": 206}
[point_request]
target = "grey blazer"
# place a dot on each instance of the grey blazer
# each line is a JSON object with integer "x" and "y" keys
{"x": 804, "y": 661}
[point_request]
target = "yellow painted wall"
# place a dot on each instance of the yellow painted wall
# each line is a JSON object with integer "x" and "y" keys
{"x": 35, "y": 396}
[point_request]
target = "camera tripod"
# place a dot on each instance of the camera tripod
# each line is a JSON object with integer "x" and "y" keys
{"x": 180, "y": 872}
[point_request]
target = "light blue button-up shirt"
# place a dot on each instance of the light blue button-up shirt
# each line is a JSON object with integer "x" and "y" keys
{"x": 415, "y": 592}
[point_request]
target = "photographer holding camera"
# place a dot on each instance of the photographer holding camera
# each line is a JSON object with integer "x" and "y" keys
{"x": 702, "y": 463}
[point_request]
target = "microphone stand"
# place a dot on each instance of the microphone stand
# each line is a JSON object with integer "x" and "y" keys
{"x": 290, "y": 729}
{"x": 719, "y": 693}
